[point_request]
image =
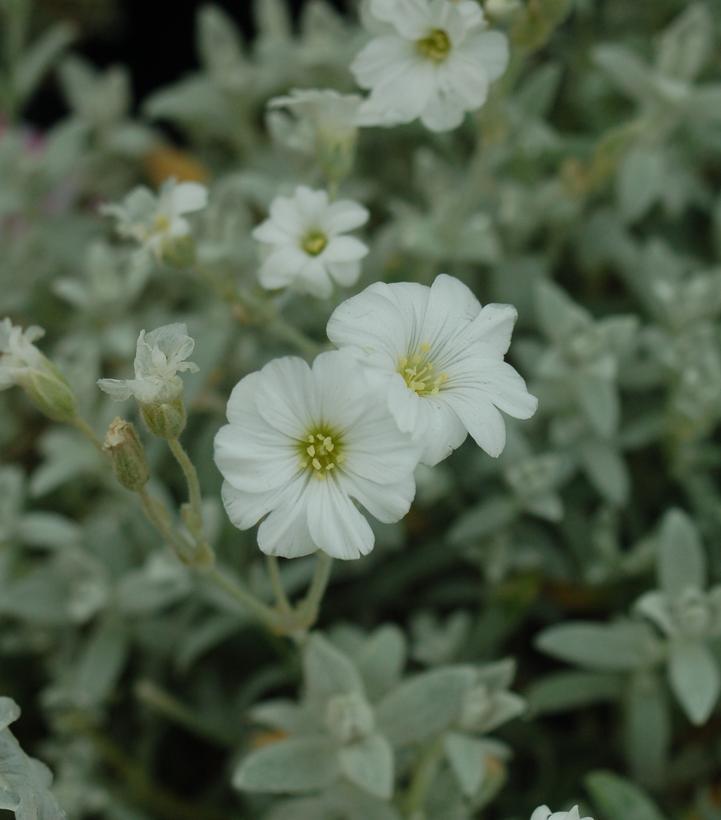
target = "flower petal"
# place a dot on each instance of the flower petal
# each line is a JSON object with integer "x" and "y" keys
{"x": 188, "y": 197}
{"x": 344, "y": 249}
{"x": 335, "y": 524}
{"x": 285, "y": 531}
{"x": 386, "y": 502}
{"x": 344, "y": 215}
{"x": 482, "y": 420}
{"x": 282, "y": 267}
{"x": 286, "y": 397}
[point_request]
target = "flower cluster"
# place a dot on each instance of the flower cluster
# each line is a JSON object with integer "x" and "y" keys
{"x": 544, "y": 813}
{"x": 417, "y": 369}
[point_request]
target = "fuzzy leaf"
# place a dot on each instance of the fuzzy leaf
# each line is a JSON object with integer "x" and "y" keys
{"x": 369, "y": 764}
{"x": 695, "y": 680}
{"x": 295, "y": 765}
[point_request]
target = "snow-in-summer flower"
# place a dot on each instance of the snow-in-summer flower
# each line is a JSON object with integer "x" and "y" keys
{"x": 18, "y": 354}
{"x": 301, "y": 446}
{"x": 435, "y": 60}
{"x": 330, "y": 115}
{"x": 22, "y": 364}
{"x": 160, "y": 355}
{"x": 306, "y": 244}
{"x": 439, "y": 356}
{"x": 544, "y": 813}
{"x": 156, "y": 221}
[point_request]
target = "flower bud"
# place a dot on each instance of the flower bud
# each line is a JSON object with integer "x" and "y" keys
{"x": 179, "y": 252}
{"x": 127, "y": 455}
{"x": 47, "y": 388}
{"x": 165, "y": 419}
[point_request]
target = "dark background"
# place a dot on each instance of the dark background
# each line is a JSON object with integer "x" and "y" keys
{"x": 154, "y": 39}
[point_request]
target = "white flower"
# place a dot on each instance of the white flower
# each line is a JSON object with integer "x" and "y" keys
{"x": 159, "y": 356}
{"x": 436, "y": 61}
{"x": 332, "y": 116}
{"x": 307, "y": 248}
{"x": 155, "y": 221}
{"x": 439, "y": 356}
{"x": 303, "y": 444}
{"x": 18, "y": 354}
{"x": 544, "y": 813}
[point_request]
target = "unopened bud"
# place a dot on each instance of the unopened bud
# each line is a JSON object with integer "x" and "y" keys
{"x": 165, "y": 419}
{"x": 127, "y": 455}
{"x": 47, "y": 388}
{"x": 179, "y": 252}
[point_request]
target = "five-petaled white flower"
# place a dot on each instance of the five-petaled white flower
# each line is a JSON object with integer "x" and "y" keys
{"x": 157, "y": 221}
{"x": 306, "y": 245}
{"x": 435, "y": 61}
{"x": 439, "y": 356}
{"x": 302, "y": 444}
{"x": 159, "y": 356}
{"x": 18, "y": 354}
{"x": 544, "y": 813}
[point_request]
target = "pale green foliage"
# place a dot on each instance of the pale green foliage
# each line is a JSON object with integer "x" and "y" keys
{"x": 585, "y": 193}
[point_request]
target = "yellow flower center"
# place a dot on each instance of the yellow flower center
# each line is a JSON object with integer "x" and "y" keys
{"x": 436, "y": 45}
{"x": 161, "y": 224}
{"x": 420, "y": 374}
{"x": 314, "y": 242}
{"x": 321, "y": 451}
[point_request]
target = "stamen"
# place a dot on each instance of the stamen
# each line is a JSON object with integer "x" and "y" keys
{"x": 436, "y": 45}
{"x": 419, "y": 372}
{"x": 321, "y": 451}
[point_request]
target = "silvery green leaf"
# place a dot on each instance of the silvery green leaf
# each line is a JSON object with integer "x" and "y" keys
{"x": 161, "y": 582}
{"x": 327, "y": 671}
{"x": 656, "y": 606}
{"x": 40, "y": 56}
{"x": 24, "y": 782}
{"x": 284, "y": 715}
{"x": 218, "y": 40}
{"x": 606, "y": 469}
{"x": 273, "y": 20}
{"x": 564, "y": 691}
{"x": 480, "y": 521}
{"x": 381, "y": 660}
{"x": 618, "y": 646}
{"x": 619, "y": 799}
{"x": 467, "y": 758}
{"x": 687, "y": 43}
{"x": 46, "y": 529}
{"x": 695, "y": 679}
{"x": 343, "y": 801}
{"x": 640, "y": 181}
{"x": 545, "y": 505}
{"x": 295, "y": 765}
{"x": 681, "y": 558}
{"x": 558, "y": 315}
{"x": 647, "y": 727}
{"x": 598, "y": 397}
{"x": 100, "y": 664}
{"x": 424, "y": 705}
{"x": 626, "y": 71}
{"x": 369, "y": 764}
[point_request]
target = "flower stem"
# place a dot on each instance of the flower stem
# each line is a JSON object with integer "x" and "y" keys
{"x": 82, "y": 425}
{"x": 423, "y": 777}
{"x": 193, "y": 514}
{"x": 311, "y": 603}
{"x": 261, "y": 611}
{"x": 276, "y": 583}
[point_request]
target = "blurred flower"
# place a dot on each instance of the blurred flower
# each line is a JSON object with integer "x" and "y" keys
{"x": 325, "y": 124}
{"x": 544, "y": 813}
{"x": 300, "y": 446}
{"x": 18, "y": 353}
{"x": 159, "y": 356}
{"x": 436, "y": 62}
{"x": 22, "y": 364}
{"x": 440, "y": 357}
{"x": 307, "y": 248}
{"x": 158, "y": 222}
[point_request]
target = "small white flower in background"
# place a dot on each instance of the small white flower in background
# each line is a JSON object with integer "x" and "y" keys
{"x": 157, "y": 221}
{"x": 544, "y": 813}
{"x": 18, "y": 354}
{"x": 159, "y": 356}
{"x": 331, "y": 116}
{"x": 306, "y": 244}
{"x": 436, "y": 60}
{"x": 302, "y": 444}
{"x": 439, "y": 356}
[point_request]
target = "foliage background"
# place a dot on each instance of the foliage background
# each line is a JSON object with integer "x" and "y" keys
{"x": 595, "y": 166}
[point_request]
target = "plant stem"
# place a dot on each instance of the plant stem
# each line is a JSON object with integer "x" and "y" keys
{"x": 261, "y": 611}
{"x": 172, "y": 708}
{"x": 423, "y": 777}
{"x": 276, "y": 583}
{"x": 191, "y": 477}
{"x": 82, "y": 425}
{"x": 311, "y": 604}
